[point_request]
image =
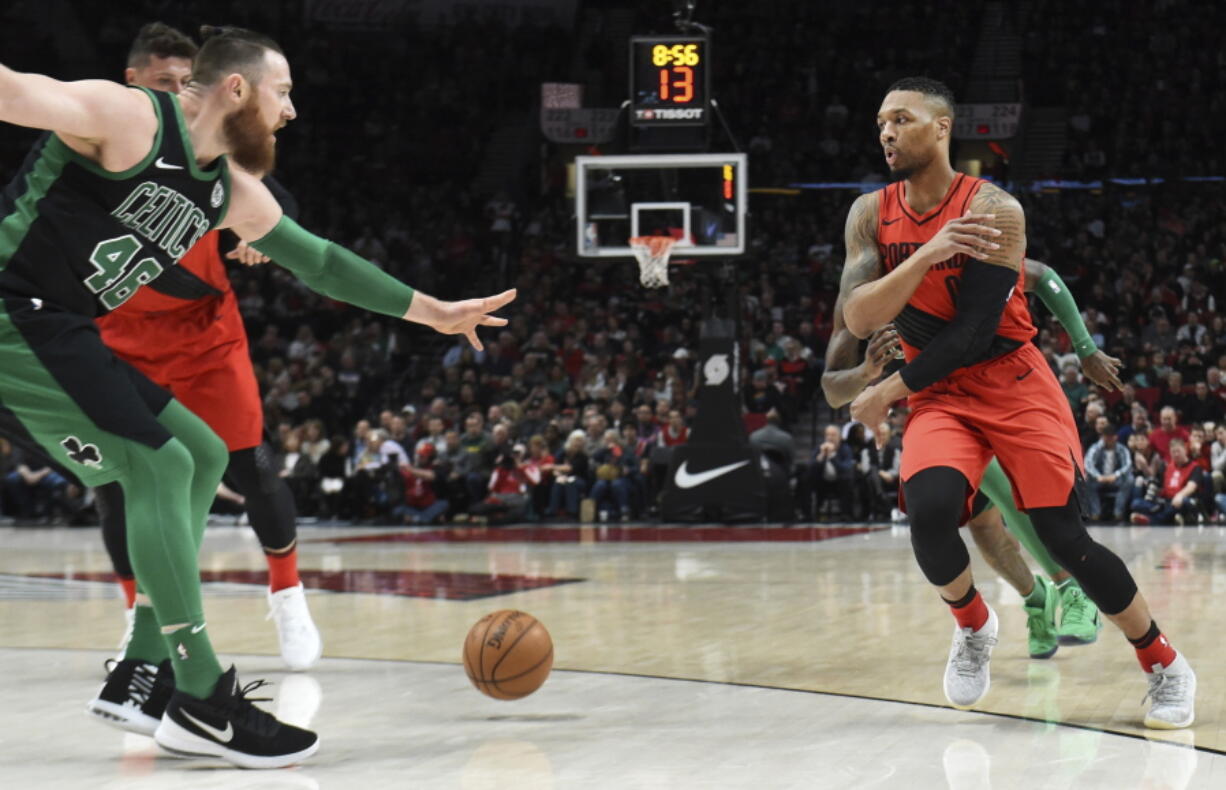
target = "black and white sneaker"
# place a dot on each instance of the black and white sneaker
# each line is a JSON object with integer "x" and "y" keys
{"x": 134, "y": 696}
{"x": 228, "y": 725}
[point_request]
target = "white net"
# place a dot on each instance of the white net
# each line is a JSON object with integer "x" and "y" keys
{"x": 652, "y": 254}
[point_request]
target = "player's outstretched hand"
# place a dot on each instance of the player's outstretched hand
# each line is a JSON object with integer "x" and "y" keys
{"x": 247, "y": 255}
{"x": 460, "y": 318}
{"x": 1103, "y": 370}
{"x": 968, "y": 235}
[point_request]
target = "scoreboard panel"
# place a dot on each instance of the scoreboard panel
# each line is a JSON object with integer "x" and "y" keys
{"x": 669, "y": 81}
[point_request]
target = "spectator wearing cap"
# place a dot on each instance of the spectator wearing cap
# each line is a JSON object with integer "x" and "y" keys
{"x": 1109, "y": 471}
{"x": 1168, "y": 429}
{"x": 422, "y": 504}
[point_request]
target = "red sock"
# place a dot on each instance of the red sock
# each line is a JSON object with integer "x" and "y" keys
{"x": 1153, "y": 648}
{"x": 971, "y": 611}
{"x": 129, "y": 590}
{"x": 282, "y": 570}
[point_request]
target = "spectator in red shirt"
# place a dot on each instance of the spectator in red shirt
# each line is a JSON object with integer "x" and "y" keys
{"x": 1167, "y": 430}
{"x": 511, "y": 485}
{"x": 542, "y": 460}
{"x": 421, "y": 503}
{"x": 675, "y": 432}
{"x": 1177, "y": 501}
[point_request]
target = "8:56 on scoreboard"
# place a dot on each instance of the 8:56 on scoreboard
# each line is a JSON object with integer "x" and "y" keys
{"x": 669, "y": 81}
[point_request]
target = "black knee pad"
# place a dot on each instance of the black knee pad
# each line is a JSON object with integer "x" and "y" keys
{"x": 269, "y": 502}
{"x": 935, "y": 500}
{"x": 109, "y": 499}
{"x": 253, "y": 470}
{"x": 1101, "y": 573}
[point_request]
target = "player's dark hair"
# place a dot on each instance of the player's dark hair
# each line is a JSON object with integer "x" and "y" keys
{"x": 158, "y": 39}
{"x": 230, "y": 50}
{"x": 933, "y": 89}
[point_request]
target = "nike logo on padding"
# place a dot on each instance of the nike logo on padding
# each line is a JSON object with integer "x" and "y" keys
{"x": 686, "y": 480}
{"x": 222, "y": 736}
{"x": 890, "y": 221}
{"x": 164, "y": 166}
{"x": 1024, "y": 375}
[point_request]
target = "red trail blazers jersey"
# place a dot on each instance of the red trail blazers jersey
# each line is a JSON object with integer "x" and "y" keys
{"x": 901, "y": 231}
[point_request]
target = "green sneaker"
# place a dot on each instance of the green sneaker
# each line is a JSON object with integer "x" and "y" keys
{"x": 1041, "y": 621}
{"x": 1080, "y": 621}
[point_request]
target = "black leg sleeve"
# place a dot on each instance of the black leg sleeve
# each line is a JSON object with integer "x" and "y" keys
{"x": 1102, "y": 574}
{"x": 270, "y": 504}
{"x": 935, "y": 500}
{"x": 114, "y": 528}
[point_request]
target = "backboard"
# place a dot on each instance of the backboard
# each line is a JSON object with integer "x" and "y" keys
{"x": 699, "y": 199}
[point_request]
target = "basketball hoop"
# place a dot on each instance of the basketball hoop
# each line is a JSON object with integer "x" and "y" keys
{"x": 652, "y": 254}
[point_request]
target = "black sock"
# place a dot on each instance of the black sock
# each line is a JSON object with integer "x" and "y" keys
{"x": 964, "y": 600}
{"x": 1149, "y": 637}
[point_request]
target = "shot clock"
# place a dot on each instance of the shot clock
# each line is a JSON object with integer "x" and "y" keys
{"x": 669, "y": 81}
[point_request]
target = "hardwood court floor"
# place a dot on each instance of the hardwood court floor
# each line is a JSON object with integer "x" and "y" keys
{"x": 685, "y": 657}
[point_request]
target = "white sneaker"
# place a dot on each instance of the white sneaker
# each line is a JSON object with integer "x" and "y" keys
{"x": 967, "y": 674}
{"x": 897, "y": 516}
{"x": 301, "y": 645}
{"x": 1173, "y": 690}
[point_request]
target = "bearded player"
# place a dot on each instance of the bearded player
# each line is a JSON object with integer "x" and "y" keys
{"x": 940, "y": 254}
{"x": 185, "y": 333}
{"x": 125, "y": 181}
{"x": 846, "y": 376}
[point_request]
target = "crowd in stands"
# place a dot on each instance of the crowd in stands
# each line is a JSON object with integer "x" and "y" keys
{"x": 571, "y": 411}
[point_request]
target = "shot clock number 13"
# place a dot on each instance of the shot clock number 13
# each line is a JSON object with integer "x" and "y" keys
{"x": 668, "y": 80}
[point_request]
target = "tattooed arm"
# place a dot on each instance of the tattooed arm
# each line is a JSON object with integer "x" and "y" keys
{"x": 870, "y": 300}
{"x": 986, "y": 284}
{"x": 846, "y": 375}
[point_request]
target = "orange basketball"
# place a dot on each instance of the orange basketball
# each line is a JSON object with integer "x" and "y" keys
{"x": 508, "y": 654}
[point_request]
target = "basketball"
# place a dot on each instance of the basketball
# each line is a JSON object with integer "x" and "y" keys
{"x": 508, "y": 654}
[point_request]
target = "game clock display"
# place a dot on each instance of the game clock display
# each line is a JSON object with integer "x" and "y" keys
{"x": 668, "y": 81}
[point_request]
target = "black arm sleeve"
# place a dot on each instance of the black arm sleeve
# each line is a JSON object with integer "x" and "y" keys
{"x": 985, "y": 289}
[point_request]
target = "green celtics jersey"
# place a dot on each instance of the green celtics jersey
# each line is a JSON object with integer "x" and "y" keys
{"x": 83, "y": 239}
